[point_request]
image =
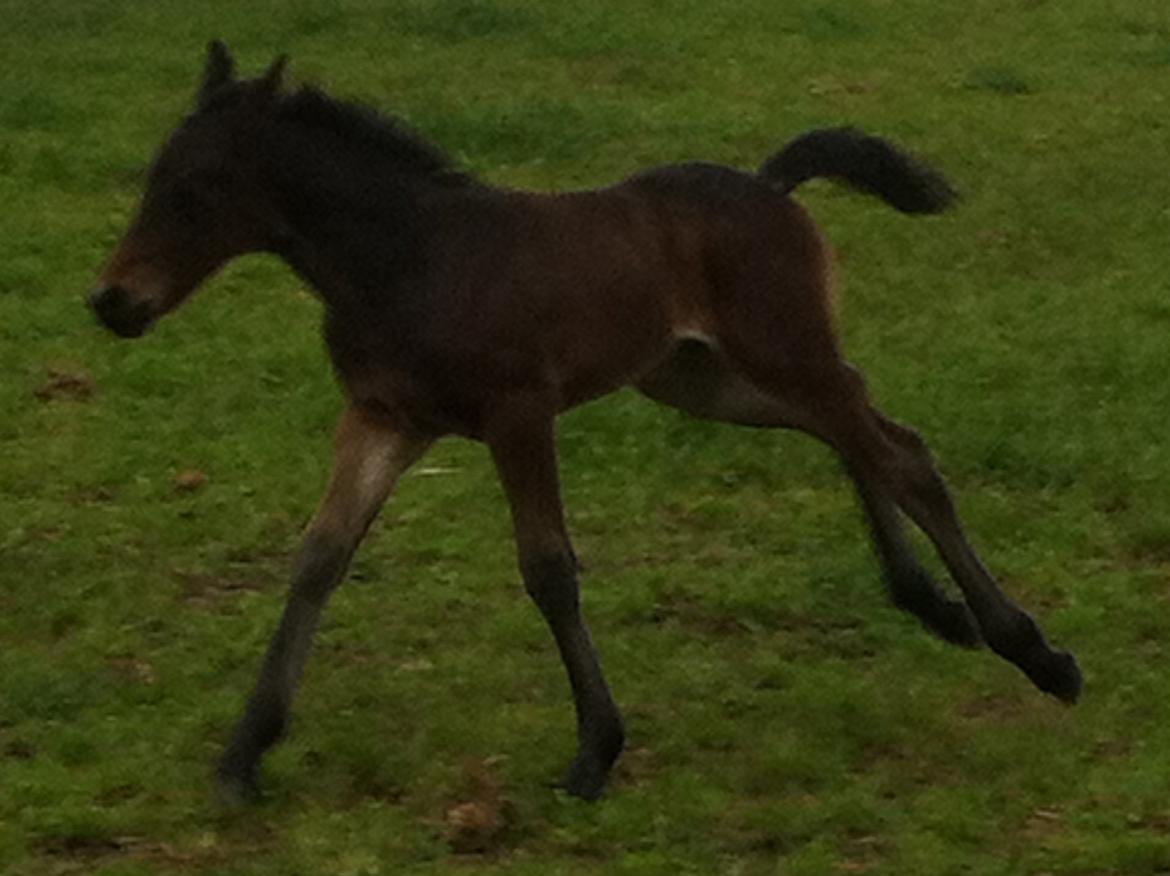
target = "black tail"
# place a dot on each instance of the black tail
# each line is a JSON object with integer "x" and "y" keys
{"x": 867, "y": 163}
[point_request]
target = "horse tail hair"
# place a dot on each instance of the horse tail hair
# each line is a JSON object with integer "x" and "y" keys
{"x": 869, "y": 164}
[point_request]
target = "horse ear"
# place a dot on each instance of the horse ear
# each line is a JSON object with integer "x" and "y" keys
{"x": 273, "y": 77}
{"x": 218, "y": 71}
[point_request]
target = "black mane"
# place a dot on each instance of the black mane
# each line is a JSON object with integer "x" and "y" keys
{"x": 365, "y": 129}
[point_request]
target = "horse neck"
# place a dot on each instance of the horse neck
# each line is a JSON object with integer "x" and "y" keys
{"x": 349, "y": 221}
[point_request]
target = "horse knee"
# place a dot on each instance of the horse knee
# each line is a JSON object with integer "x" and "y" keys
{"x": 319, "y": 566}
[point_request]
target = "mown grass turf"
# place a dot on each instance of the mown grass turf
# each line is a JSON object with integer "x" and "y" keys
{"x": 782, "y": 718}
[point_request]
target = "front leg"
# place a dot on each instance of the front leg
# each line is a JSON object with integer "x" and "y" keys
{"x": 370, "y": 454}
{"x": 521, "y": 441}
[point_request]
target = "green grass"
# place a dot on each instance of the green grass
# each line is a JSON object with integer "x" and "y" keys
{"x": 783, "y": 719}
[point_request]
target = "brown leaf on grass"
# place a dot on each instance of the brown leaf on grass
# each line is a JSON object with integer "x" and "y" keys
{"x": 189, "y": 481}
{"x": 476, "y": 824}
{"x": 72, "y": 385}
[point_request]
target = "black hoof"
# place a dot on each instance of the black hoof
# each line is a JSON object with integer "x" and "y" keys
{"x": 586, "y": 778}
{"x": 1054, "y": 672}
{"x": 1057, "y": 673}
{"x": 590, "y": 768}
{"x": 237, "y": 787}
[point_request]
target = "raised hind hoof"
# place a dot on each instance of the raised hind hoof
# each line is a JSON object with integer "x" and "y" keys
{"x": 1057, "y": 673}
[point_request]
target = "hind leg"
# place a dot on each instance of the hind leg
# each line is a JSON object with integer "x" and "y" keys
{"x": 910, "y": 585}
{"x": 896, "y": 461}
{"x": 1009, "y": 631}
{"x": 697, "y": 379}
{"x": 772, "y": 314}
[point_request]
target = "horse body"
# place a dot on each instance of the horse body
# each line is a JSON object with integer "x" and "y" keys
{"x": 470, "y": 290}
{"x": 453, "y": 307}
{"x": 567, "y": 296}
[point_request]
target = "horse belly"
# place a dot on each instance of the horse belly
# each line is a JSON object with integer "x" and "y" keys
{"x": 607, "y": 337}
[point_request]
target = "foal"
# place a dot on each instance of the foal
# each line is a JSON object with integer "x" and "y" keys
{"x": 453, "y": 307}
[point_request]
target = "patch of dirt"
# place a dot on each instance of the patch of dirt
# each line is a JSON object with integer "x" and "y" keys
{"x": 689, "y": 611}
{"x": 119, "y": 793}
{"x": 1157, "y": 823}
{"x": 132, "y": 669}
{"x": 635, "y": 766}
{"x": 1106, "y": 748}
{"x": 803, "y": 632}
{"x": 861, "y": 87}
{"x": 862, "y": 853}
{"x": 45, "y": 533}
{"x": 374, "y": 787}
{"x": 207, "y": 853}
{"x": 991, "y": 707}
{"x": 84, "y": 854}
{"x": 417, "y": 664}
{"x": 829, "y": 85}
{"x": 19, "y": 749}
{"x": 1043, "y": 823}
{"x": 908, "y": 767}
{"x": 90, "y": 495}
{"x": 215, "y": 592}
{"x": 79, "y": 848}
{"x": 62, "y": 384}
{"x": 256, "y": 555}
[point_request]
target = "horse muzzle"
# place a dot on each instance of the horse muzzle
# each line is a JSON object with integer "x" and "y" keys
{"x": 120, "y": 312}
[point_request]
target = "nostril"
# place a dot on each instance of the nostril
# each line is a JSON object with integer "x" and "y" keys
{"x": 120, "y": 312}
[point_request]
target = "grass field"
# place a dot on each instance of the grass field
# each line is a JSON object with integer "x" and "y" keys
{"x": 782, "y": 717}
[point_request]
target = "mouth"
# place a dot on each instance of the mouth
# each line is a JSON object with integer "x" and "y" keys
{"x": 118, "y": 311}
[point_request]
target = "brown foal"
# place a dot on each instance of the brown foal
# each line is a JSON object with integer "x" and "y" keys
{"x": 454, "y": 307}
